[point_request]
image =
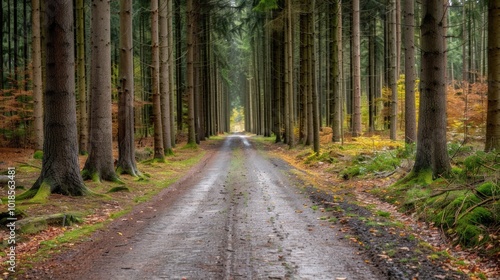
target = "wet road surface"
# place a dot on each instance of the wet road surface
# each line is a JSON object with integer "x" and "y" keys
{"x": 242, "y": 217}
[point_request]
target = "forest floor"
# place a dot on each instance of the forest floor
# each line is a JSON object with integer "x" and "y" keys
{"x": 380, "y": 240}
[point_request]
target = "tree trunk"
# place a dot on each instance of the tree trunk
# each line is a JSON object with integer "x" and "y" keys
{"x": 81, "y": 77}
{"x": 26, "y": 69}
{"x": 126, "y": 144}
{"x": 37, "y": 74}
{"x": 100, "y": 162}
{"x": 372, "y": 75}
{"x": 277, "y": 43}
{"x": 409, "y": 44}
{"x": 393, "y": 68}
{"x": 15, "y": 52}
{"x": 493, "y": 115}
{"x": 356, "y": 75}
{"x": 304, "y": 87}
{"x": 171, "y": 62}
{"x": 165, "y": 91}
{"x": 310, "y": 83}
{"x": 190, "y": 71}
{"x": 337, "y": 72}
{"x": 431, "y": 143}
{"x": 60, "y": 167}
{"x": 289, "y": 79}
{"x": 2, "y": 70}
{"x": 179, "y": 73}
{"x": 155, "y": 80}
{"x": 315, "y": 114}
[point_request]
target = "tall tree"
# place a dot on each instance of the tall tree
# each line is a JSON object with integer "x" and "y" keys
{"x": 289, "y": 76}
{"x": 100, "y": 162}
{"x": 81, "y": 76}
{"x": 409, "y": 45}
{"x": 165, "y": 82}
{"x": 172, "y": 63}
{"x": 432, "y": 153}
{"x": 2, "y": 69}
{"x": 155, "y": 72}
{"x": 191, "y": 18}
{"x": 304, "y": 79}
{"x": 37, "y": 74}
{"x": 356, "y": 68}
{"x": 15, "y": 40}
{"x": 393, "y": 68}
{"x": 315, "y": 114}
{"x": 336, "y": 71}
{"x": 493, "y": 115}
{"x": 60, "y": 168}
{"x": 126, "y": 144}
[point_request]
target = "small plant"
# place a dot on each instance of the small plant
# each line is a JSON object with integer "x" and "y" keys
{"x": 383, "y": 214}
{"x": 38, "y": 155}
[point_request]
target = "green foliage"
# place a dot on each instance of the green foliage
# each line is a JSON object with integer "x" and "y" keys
{"x": 42, "y": 194}
{"x": 383, "y": 214}
{"x": 266, "y": 5}
{"x": 488, "y": 189}
{"x": 38, "y": 155}
{"x": 482, "y": 163}
{"x": 190, "y": 146}
{"x": 322, "y": 157}
{"x": 351, "y": 172}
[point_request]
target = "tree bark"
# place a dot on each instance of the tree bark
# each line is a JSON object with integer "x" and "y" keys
{"x": 315, "y": 113}
{"x": 126, "y": 144}
{"x": 337, "y": 72}
{"x": 155, "y": 80}
{"x": 190, "y": 71}
{"x": 372, "y": 90}
{"x": 60, "y": 168}
{"x": 2, "y": 70}
{"x": 431, "y": 143}
{"x": 171, "y": 62}
{"x": 165, "y": 82}
{"x": 493, "y": 114}
{"x": 100, "y": 162}
{"x": 81, "y": 77}
{"x": 304, "y": 87}
{"x": 409, "y": 45}
{"x": 289, "y": 77}
{"x": 356, "y": 75}
{"x": 393, "y": 69}
{"x": 37, "y": 74}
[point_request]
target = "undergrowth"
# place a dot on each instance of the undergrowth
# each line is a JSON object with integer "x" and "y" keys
{"x": 465, "y": 205}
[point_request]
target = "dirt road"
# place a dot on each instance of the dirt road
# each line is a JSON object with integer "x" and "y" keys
{"x": 238, "y": 217}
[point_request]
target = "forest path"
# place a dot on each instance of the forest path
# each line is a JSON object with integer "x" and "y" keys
{"x": 241, "y": 217}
